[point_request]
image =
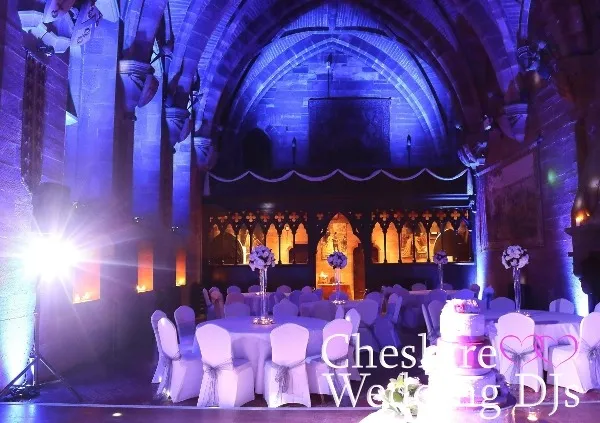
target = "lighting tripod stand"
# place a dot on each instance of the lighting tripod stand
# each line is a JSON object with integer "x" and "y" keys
{"x": 27, "y": 391}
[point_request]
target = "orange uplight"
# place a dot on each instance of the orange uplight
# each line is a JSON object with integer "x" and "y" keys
{"x": 145, "y": 280}
{"x": 180, "y": 267}
{"x": 581, "y": 217}
{"x": 86, "y": 284}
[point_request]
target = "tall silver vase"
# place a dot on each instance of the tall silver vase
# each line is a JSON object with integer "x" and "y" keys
{"x": 264, "y": 318}
{"x": 517, "y": 286}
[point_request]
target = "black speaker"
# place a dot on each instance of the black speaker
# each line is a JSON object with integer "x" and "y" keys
{"x": 51, "y": 207}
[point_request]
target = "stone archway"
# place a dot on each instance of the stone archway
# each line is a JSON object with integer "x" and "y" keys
{"x": 339, "y": 236}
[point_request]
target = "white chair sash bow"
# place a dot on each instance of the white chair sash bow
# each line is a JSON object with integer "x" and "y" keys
{"x": 517, "y": 358}
{"x": 212, "y": 373}
{"x": 283, "y": 376}
{"x": 593, "y": 356}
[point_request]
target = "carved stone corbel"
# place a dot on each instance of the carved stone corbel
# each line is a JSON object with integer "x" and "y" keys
{"x": 139, "y": 83}
{"x": 206, "y": 155}
{"x": 513, "y": 122}
{"x": 178, "y": 124}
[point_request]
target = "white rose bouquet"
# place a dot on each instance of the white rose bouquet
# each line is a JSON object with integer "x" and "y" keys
{"x": 400, "y": 396}
{"x": 337, "y": 260}
{"x": 261, "y": 258}
{"x": 515, "y": 256}
{"x": 440, "y": 257}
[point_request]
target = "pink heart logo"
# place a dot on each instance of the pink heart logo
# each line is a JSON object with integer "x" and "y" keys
{"x": 539, "y": 349}
{"x": 503, "y": 350}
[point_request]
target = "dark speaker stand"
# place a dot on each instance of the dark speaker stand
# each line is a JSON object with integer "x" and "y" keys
{"x": 32, "y": 390}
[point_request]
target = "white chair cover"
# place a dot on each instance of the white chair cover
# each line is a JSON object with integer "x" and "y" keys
{"x": 237, "y": 310}
{"x": 285, "y": 308}
{"x": 185, "y": 319}
{"x": 319, "y": 293}
{"x": 475, "y": 288}
{"x": 184, "y": 370}
{"x": 385, "y": 332}
{"x": 341, "y": 296}
{"x": 368, "y": 310}
{"x": 254, "y": 288}
{"x": 336, "y": 351}
{"x": 353, "y": 317}
{"x": 448, "y": 286}
{"x": 307, "y": 290}
{"x": 210, "y": 308}
{"x": 227, "y": 382}
{"x": 278, "y": 296}
{"x": 324, "y": 310}
{"x": 579, "y": 372}
{"x": 516, "y": 334}
{"x": 431, "y": 338}
{"x": 234, "y": 297}
{"x": 502, "y": 304}
{"x": 562, "y": 306}
{"x": 218, "y": 303}
{"x": 418, "y": 287}
{"x": 377, "y": 297}
{"x": 161, "y": 367}
{"x": 488, "y": 295}
{"x": 234, "y": 288}
{"x": 397, "y": 309}
{"x": 464, "y": 294}
{"x": 294, "y": 297}
{"x": 284, "y": 289}
{"x": 597, "y": 308}
{"x": 285, "y": 374}
{"x": 307, "y": 297}
{"x": 437, "y": 295}
{"x": 339, "y": 312}
{"x": 434, "y": 310}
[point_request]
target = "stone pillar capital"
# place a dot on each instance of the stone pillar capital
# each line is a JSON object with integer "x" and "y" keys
{"x": 178, "y": 124}
{"x": 138, "y": 82}
{"x": 206, "y": 155}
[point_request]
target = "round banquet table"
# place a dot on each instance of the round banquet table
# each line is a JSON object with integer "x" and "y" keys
{"x": 417, "y": 298}
{"x": 252, "y": 300}
{"x": 252, "y": 342}
{"x": 306, "y": 309}
{"x": 550, "y": 327}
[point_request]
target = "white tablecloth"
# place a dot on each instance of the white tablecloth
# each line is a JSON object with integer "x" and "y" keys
{"x": 549, "y": 327}
{"x": 306, "y": 309}
{"x": 252, "y": 342}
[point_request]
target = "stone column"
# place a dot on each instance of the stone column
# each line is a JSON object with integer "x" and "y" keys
{"x": 135, "y": 88}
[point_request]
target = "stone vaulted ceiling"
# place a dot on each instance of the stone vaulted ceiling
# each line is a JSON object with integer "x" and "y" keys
{"x": 438, "y": 54}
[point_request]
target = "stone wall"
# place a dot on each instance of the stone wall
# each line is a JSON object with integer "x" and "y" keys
{"x": 550, "y": 273}
{"x": 282, "y": 113}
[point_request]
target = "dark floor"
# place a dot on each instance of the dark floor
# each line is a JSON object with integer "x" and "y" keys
{"x": 46, "y": 413}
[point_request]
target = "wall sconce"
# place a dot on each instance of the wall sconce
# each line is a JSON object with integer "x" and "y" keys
{"x": 138, "y": 219}
{"x": 408, "y": 147}
{"x": 174, "y": 229}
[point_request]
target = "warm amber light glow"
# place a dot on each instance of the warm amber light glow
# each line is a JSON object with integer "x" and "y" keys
{"x": 581, "y": 217}
{"x": 86, "y": 282}
{"x": 180, "y": 267}
{"x": 145, "y": 267}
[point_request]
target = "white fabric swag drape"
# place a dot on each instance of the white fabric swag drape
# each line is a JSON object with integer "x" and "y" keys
{"x": 288, "y": 175}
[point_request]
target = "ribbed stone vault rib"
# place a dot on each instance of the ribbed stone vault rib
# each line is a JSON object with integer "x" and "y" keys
{"x": 401, "y": 72}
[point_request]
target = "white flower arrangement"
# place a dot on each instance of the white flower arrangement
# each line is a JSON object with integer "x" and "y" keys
{"x": 400, "y": 396}
{"x": 261, "y": 258}
{"x": 515, "y": 256}
{"x": 337, "y": 260}
{"x": 440, "y": 258}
